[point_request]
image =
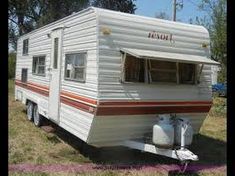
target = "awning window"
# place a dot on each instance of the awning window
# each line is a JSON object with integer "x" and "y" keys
{"x": 171, "y": 57}
{"x": 155, "y": 67}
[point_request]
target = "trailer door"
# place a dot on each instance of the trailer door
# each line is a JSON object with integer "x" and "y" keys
{"x": 54, "y": 74}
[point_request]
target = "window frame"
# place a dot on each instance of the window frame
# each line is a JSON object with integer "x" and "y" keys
{"x": 83, "y": 67}
{"x": 123, "y": 72}
{"x": 24, "y": 53}
{"x": 148, "y": 80}
{"x": 39, "y": 74}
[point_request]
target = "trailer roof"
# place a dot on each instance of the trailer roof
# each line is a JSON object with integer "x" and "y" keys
{"x": 100, "y": 10}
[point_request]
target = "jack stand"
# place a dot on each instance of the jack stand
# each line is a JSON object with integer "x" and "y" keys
{"x": 183, "y": 166}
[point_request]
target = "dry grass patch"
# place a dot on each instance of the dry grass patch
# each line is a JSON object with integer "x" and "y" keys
{"x": 215, "y": 127}
{"x": 29, "y": 144}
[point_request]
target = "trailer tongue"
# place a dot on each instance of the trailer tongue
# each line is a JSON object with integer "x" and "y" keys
{"x": 170, "y": 138}
{"x": 179, "y": 154}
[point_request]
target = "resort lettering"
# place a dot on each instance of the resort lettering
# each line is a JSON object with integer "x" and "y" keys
{"x": 160, "y": 36}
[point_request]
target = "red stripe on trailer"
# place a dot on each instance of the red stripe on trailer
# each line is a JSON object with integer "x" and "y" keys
{"x": 104, "y": 111}
{"x": 145, "y": 103}
{"x": 44, "y": 90}
{"x": 79, "y": 102}
{"x": 106, "y": 108}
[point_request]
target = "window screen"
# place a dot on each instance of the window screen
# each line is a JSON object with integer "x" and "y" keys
{"x": 24, "y": 75}
{"x": 156, "y": 71}
{"x": 75, "y": 66}
{"x": 162, "y": 71}
{"x": 25, "y": 46}
{"x": 38, "y": 65}
{"x": 134, "y": 69}
{"x": 187, "y": 73}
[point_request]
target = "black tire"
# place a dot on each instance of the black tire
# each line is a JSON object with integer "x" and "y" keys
{"x": 37, "y": 118}
{"x": 30, "y": 109}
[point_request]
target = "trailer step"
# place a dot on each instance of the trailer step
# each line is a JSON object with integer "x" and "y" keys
{"x": 48, "y": 128}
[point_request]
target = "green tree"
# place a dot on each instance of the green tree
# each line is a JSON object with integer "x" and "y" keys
{"x": 11, "y": 65}
{"x": 56, "y": 9}
{"x": 25, "y": 15}
{"x": 17, "y": 10}
{"x": 216, "y": 23}
{"x": 126, "y": 6}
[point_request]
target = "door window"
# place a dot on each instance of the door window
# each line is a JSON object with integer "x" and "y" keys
{"x": 56, "y": 46}
{"x": 24, "y": 75}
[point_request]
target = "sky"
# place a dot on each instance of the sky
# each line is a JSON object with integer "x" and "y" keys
{"x": 151, "y": 7}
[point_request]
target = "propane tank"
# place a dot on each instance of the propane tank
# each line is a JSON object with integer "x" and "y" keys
{"x": 183, "y": 128}
{"x": 163, "y": 132}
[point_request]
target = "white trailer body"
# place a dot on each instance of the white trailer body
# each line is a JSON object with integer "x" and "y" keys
{"x": 76, "y": 71}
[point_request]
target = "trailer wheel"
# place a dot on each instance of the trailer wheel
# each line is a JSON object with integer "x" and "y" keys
{"x": 37, "y": 118}
{"x": 30, "y": 111}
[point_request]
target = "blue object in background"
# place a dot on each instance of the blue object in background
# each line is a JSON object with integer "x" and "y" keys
{"x": 220, "y": 88}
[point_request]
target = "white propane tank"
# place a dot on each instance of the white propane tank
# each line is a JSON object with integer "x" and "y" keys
{"x": 188, "y": 131}
{"x": 163, "y": 132}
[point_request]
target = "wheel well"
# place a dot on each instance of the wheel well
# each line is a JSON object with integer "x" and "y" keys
{"x": 27, "y": 101}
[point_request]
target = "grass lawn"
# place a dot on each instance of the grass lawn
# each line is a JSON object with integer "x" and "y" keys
{"x": 31, "y": 145}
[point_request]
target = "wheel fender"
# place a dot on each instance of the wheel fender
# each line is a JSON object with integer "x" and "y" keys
{"x": 42, "y": 107}
{"x": 24, "y": 100}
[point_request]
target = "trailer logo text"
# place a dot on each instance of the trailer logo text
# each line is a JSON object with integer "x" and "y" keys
{"x": 160, "y": 36}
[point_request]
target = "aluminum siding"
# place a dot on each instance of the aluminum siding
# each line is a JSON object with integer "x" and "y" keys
{"x": 131, "y": 31}
{"x": 78, "y": 36}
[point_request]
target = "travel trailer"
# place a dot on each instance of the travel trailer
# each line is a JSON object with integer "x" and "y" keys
{"x": 117, "y": 79}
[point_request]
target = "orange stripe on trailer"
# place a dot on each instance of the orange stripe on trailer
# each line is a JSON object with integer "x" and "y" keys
{"x": 78, "y": 105}
{"x": 79, "y": 97}
{"x": 40, "y": 86}
{"x": 31, "y": 88}
{"x": 33, "y": 84}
